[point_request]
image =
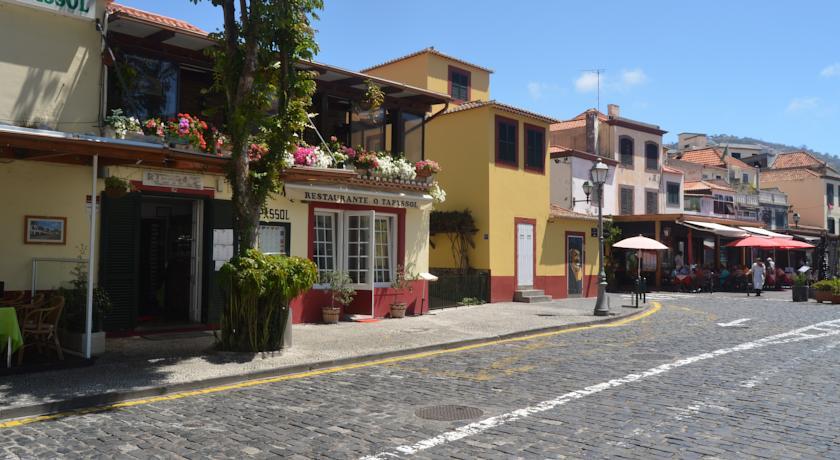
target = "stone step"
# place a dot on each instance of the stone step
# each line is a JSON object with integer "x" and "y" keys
{"x": 535, "y": 299}
{"x": 528, "y": 292}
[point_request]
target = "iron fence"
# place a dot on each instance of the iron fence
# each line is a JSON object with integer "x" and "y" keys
{"x": 453, "y": 287}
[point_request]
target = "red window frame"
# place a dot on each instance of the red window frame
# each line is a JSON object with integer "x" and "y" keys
{"x": 510, "y": 122}
{"x": 459, "y": 71}
{"x": 533, "y": 128}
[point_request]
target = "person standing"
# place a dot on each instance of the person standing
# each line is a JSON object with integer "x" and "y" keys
{"x": 758, "y": 274}
{"x": 678, "y": 260}
{"x": 771, "y": 265}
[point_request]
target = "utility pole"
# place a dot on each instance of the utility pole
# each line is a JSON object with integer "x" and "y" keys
{"x": 597, "y": 73}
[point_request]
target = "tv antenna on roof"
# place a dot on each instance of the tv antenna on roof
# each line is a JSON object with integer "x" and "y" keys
{"x": 597, "y": 73}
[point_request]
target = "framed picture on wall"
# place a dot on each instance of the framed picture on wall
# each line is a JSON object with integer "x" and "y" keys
{"x": 45, "y": 230}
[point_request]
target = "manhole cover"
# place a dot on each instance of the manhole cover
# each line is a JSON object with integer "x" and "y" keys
{"x": 651, "y": 356}
{"x": 448, "y": 413}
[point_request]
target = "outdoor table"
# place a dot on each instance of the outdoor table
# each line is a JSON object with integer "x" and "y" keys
{"x": 10, "y": 338}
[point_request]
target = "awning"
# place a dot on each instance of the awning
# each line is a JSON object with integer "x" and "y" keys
{"x": 717, "y": 229}
{"x": 763, "y": 232}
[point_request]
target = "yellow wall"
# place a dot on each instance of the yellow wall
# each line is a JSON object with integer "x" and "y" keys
{"x": 430, "y": 71}
{"x": 806, "y": 197}
{"x": 459, "y": 142}
{"x": 50, "y": 69}
{"x": 40, "y": 189}
{"x": 517, "y": 193}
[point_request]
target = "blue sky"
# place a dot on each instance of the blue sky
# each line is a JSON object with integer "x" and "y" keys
{"x": 764, "y": 69}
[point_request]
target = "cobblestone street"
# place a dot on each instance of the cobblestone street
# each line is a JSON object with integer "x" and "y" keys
{"x": 719, "y": 375}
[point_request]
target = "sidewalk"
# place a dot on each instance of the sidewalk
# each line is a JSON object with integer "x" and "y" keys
{"x": 152, "y": 365}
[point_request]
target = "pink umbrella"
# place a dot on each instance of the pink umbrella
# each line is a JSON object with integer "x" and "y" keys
{"x": 640, "y": 243}
{"x": 769, "y": 243}
{"x": 792, "y": 244}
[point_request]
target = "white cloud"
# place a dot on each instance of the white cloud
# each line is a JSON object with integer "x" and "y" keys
{"x": 633, "y": 77}
{"x": 588, "y": 82}
{"x": 831, "y": 71}
{"x": 800, "y": 104}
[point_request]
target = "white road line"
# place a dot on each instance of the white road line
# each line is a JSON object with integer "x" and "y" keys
{"x": 733, "y": 323}
{"x": 795, "y": 335}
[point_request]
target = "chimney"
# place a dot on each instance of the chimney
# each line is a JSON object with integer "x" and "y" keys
{"x": 613, "y": 110}
{"x": 591, "y": 119}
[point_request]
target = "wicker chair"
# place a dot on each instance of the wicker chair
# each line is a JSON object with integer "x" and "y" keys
{"x": 40, "y": 327}
{"x": 13, "y": 299}
{"x": 38, "y": 301}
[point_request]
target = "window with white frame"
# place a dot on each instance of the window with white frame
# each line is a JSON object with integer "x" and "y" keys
{"x": 346, "y": 241}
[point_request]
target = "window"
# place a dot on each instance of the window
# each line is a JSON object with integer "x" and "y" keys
{"x": 724, "y": 204}
{"x": 672, "y": 189}
{"x": 736, "y": 155}
{"x": 325, "y": 241}
{"x": 692, "y": 203}
{"x": 651, "y": 156}
{"x": 411, "y": 135}
{"x": 459, "y": 84}
{"x": 626, "y": 204}
{"x": 144, "y": 87}
{"x": 781, "y": 219}
{"x": 625, "y": 150}
{"x": 651, "y": 202}
{"x": 534, "y": 148}
{"x": 367, "y": 128}
{"x": 506, "y": 141}
{"x": 767, "y": 217}
{"x": 830, "y": 225}
{"x": 829, "y": 194}
{"x": 346, "y": 241}
{"x": 273, "y": 238}
{"x": 745, "y": 178}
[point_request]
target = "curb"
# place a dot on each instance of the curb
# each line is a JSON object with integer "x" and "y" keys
{"x": 105, "y": 399}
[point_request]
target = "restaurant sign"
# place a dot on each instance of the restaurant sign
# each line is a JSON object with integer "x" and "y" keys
{"x": 85, "y": 9}
{"x": 172, "y": 180}
{"x": 362, "y": 200}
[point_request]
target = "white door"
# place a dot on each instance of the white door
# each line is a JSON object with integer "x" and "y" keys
{"x": 525, "y": 254}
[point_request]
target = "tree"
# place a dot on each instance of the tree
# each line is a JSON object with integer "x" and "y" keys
{"x": 265, "y": 96}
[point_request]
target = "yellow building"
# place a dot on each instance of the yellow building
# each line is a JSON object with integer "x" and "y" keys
{"x": 158, "y": 248}
{"x": 493, "y": 158}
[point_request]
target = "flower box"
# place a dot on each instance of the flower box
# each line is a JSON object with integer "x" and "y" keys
{"x": 826, "y": 296}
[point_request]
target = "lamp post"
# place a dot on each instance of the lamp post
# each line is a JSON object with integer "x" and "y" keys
{"x": 796, "y": 219}
{"x": 598, "y": 174}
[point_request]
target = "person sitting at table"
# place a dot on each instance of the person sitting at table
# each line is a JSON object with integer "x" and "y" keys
{"x": 723, "y": 277}
{"x": 782, "y": 278}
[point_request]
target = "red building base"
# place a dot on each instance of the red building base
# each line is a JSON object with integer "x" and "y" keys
{"x": 307, "y": 308}
{"x": 502, "y": 288}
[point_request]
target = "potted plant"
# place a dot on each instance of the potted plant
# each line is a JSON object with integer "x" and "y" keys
{"x": 119, "y": 125}
{"x": 800, "y": 288}
{"x": 73, "y": 316}
{"x": 187, "y": 131}
{"x": 827, "y": 291}
{"x": 426, "y": 168}
{"x": 341, "y": 294}
{"x": 366, "y": 162}
{"x": 116, "y": 187}
{"x": 401, "y": 284}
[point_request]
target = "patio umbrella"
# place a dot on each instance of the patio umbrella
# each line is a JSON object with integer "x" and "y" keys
{"x": 793, "y": 244}
{"x": 640, "y": 243}
{"x": 768, "y": 243}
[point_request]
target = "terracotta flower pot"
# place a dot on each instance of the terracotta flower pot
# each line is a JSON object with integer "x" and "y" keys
{"x": 114, "y": 192}
{"x": 330, "y": 314}
{"x": 826, "y": 296}
{"x": 424, "y": 173}
{"x": 398, "y": 310}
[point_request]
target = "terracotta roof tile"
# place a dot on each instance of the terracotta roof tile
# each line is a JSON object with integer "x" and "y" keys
{"x": 701, "y": 185}
{"x": 430, "y": 50}
{"x": 569, "y": 124}
{"x": 671, "y": 170}
{"x": 711, "y": 156}
{"x": 158, "y": 19}
{"x": 500, "y": 106}
{"x": 795, "y": 160}
{"x": 787, "y": 174}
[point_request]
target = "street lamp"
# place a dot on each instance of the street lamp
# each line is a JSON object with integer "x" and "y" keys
{"x": 796, "y": 219}
{"x": 598, "y": 174}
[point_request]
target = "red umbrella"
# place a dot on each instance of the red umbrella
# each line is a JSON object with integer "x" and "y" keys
{"x": 769, "y": 243}
{"x": 754, "y": 242}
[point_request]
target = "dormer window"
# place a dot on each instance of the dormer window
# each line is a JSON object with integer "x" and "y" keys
{"x": 459, "y": 84}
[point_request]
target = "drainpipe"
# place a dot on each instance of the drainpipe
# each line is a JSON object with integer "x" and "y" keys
{"x": 103, "y": 75}
{"x": 91, "y": 258}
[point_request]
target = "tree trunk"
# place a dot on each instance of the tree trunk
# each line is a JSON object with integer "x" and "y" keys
{"x": 246, "y": 212}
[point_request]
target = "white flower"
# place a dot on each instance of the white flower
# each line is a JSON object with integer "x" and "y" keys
{"x": 438, "y": 194}
{"x": 288, "y": 160}
{"x": 322, "y": 159}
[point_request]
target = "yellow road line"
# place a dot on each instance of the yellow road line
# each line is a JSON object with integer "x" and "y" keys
{"x": 331, "y": 370}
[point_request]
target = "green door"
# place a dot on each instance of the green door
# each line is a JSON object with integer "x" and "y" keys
{"x": 119, "y": 246}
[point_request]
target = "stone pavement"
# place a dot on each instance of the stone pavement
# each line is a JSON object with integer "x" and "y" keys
{"x": 676, "y": 384}
{"x": 147, "y": 365}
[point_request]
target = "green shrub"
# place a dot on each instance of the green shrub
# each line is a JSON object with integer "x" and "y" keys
{"x": 800, "y": 280}
{"x": 832, "y": 286}
{"x": 258, "y": 289}
{"x": 470, "y": 301}
{"x": 341, "y": 294}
